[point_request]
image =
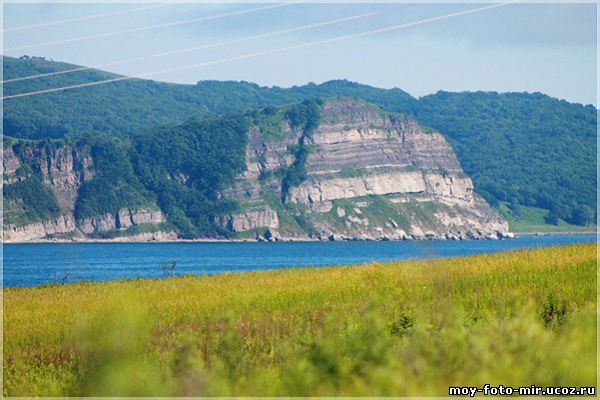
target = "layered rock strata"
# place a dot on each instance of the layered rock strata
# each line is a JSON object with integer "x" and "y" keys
{"x": 370, "y": 175}
{"x": 63, "y": 169}
{"x": 358, "y": 174}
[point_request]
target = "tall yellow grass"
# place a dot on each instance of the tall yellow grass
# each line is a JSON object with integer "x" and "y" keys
{"x": 383, "y": 329}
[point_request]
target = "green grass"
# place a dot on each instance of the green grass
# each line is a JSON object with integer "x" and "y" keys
{"x": 380, "y": 211}
{"x": 29, "y": 200}
{"x": 271, "y": 127}
{"x": 132, "y": 230}
{"x": 532, "y": 220}
{"x": 351, "y": 172}
{"x": 287, "y": 223}
{"x": 381, "y": 329}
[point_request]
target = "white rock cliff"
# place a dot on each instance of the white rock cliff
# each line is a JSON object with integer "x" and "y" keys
{"x": 370, "y": 175}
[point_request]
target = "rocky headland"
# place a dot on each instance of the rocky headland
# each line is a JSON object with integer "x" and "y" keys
{"x": 366, "y": 175}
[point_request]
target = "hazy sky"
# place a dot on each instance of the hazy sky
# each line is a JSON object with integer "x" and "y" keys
{"x": 519, "y": 47}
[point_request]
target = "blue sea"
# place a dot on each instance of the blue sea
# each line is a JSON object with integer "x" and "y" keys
{"x": 37, "y": 264}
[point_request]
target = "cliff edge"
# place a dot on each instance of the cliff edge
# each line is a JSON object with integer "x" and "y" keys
{"x": 342, "y": 169}
{"x": 364, "y": 174}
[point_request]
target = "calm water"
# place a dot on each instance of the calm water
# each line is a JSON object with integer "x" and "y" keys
{"x": 35, "y": 264}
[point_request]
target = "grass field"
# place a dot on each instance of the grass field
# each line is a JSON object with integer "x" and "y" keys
{"x": 390, "y": 329}
{"x": 532, "y": 220}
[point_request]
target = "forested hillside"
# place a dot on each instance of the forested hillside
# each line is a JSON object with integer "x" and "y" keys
{"x": 525, "y": 149}
{"x": 179, "y": 170}
{"x": 519, "y": 148}
{"x": 131, "y": 106}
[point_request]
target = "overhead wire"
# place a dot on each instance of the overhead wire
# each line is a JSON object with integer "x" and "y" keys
{"x": 204, "y": 46}
{"x": 266, "y": 52}
{"x": 89, "y": 17}
{"x": 151, "y": 27}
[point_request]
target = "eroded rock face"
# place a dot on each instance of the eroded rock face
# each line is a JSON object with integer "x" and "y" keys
{"x": 61, "y": 225}
{"x": 450, "y": 186}
{"x": 263, "y": 217}
{"x": 103, "y": 223}
{"x": 386, "y": 153}
{"x": 10, "y": 165}
{"x": 146, "y": 216}
{"x": 318, "y": 190}
{"x": 65, "y": 226}
{"x": 370, "y": 175}
{"x": 63, "y": 168}
{"x": 123, "y": 219}
{"x": 359, "y": 153}
{"x": 263, "y": 159}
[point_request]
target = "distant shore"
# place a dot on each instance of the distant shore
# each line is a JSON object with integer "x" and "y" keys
{"x": 248, "y": 240}
{"x": 555, "y": 233}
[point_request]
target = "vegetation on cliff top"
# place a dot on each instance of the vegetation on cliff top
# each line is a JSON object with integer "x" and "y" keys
{"x": 525, "y": 149}
{"x": 27, "y": 201}
{"x": 391, "y": 329}
{"x": 306, "y": 117}
{"x": 136, "y": 105}
{"x": 186, "y": 166}
{"x": 180, "y": 169}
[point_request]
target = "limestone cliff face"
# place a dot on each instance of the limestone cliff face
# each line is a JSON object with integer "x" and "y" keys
{"x": 344, "y": 169}
{"x": 122, "y": 220}
{"x": 10, "y": 165}
{"x": 65, "y": 227}
{"x": 369, "y": 175}
{"x": 261, "y": 217}
{"x": 319, "y": 190}
{"x": 61, "y": 225}
{"x": 64, "y": 169}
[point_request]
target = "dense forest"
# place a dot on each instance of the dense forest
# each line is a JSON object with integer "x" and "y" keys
{"x": 180, "y": 168}
{"x": 519, "y": 148}
{"x": 135, "y": 105}
{"x": 203, "y": 156}
{"x": 525, "y": 149}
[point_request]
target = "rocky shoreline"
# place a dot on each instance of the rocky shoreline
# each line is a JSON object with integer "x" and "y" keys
{"x": 170, "y": 237}
{"x": 557, "y": 233}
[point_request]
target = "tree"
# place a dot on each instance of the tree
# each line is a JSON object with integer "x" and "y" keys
{"x": 551, "y": 218}
{"x": 515, "y": 209}
{"x": 582, "y": 215}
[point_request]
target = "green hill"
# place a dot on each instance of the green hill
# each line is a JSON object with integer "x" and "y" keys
{"x": 525, "y": 149}
{"x": 131, "y": 106}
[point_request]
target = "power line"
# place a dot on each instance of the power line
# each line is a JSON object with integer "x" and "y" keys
{"x": 206, "y": 46}
{"x": 266, "y": 52}
{"x": 150, "y": 27}
{"x": 88, "y": 17}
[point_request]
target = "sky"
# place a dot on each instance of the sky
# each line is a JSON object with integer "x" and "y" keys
{"x": 549, "y": 48}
